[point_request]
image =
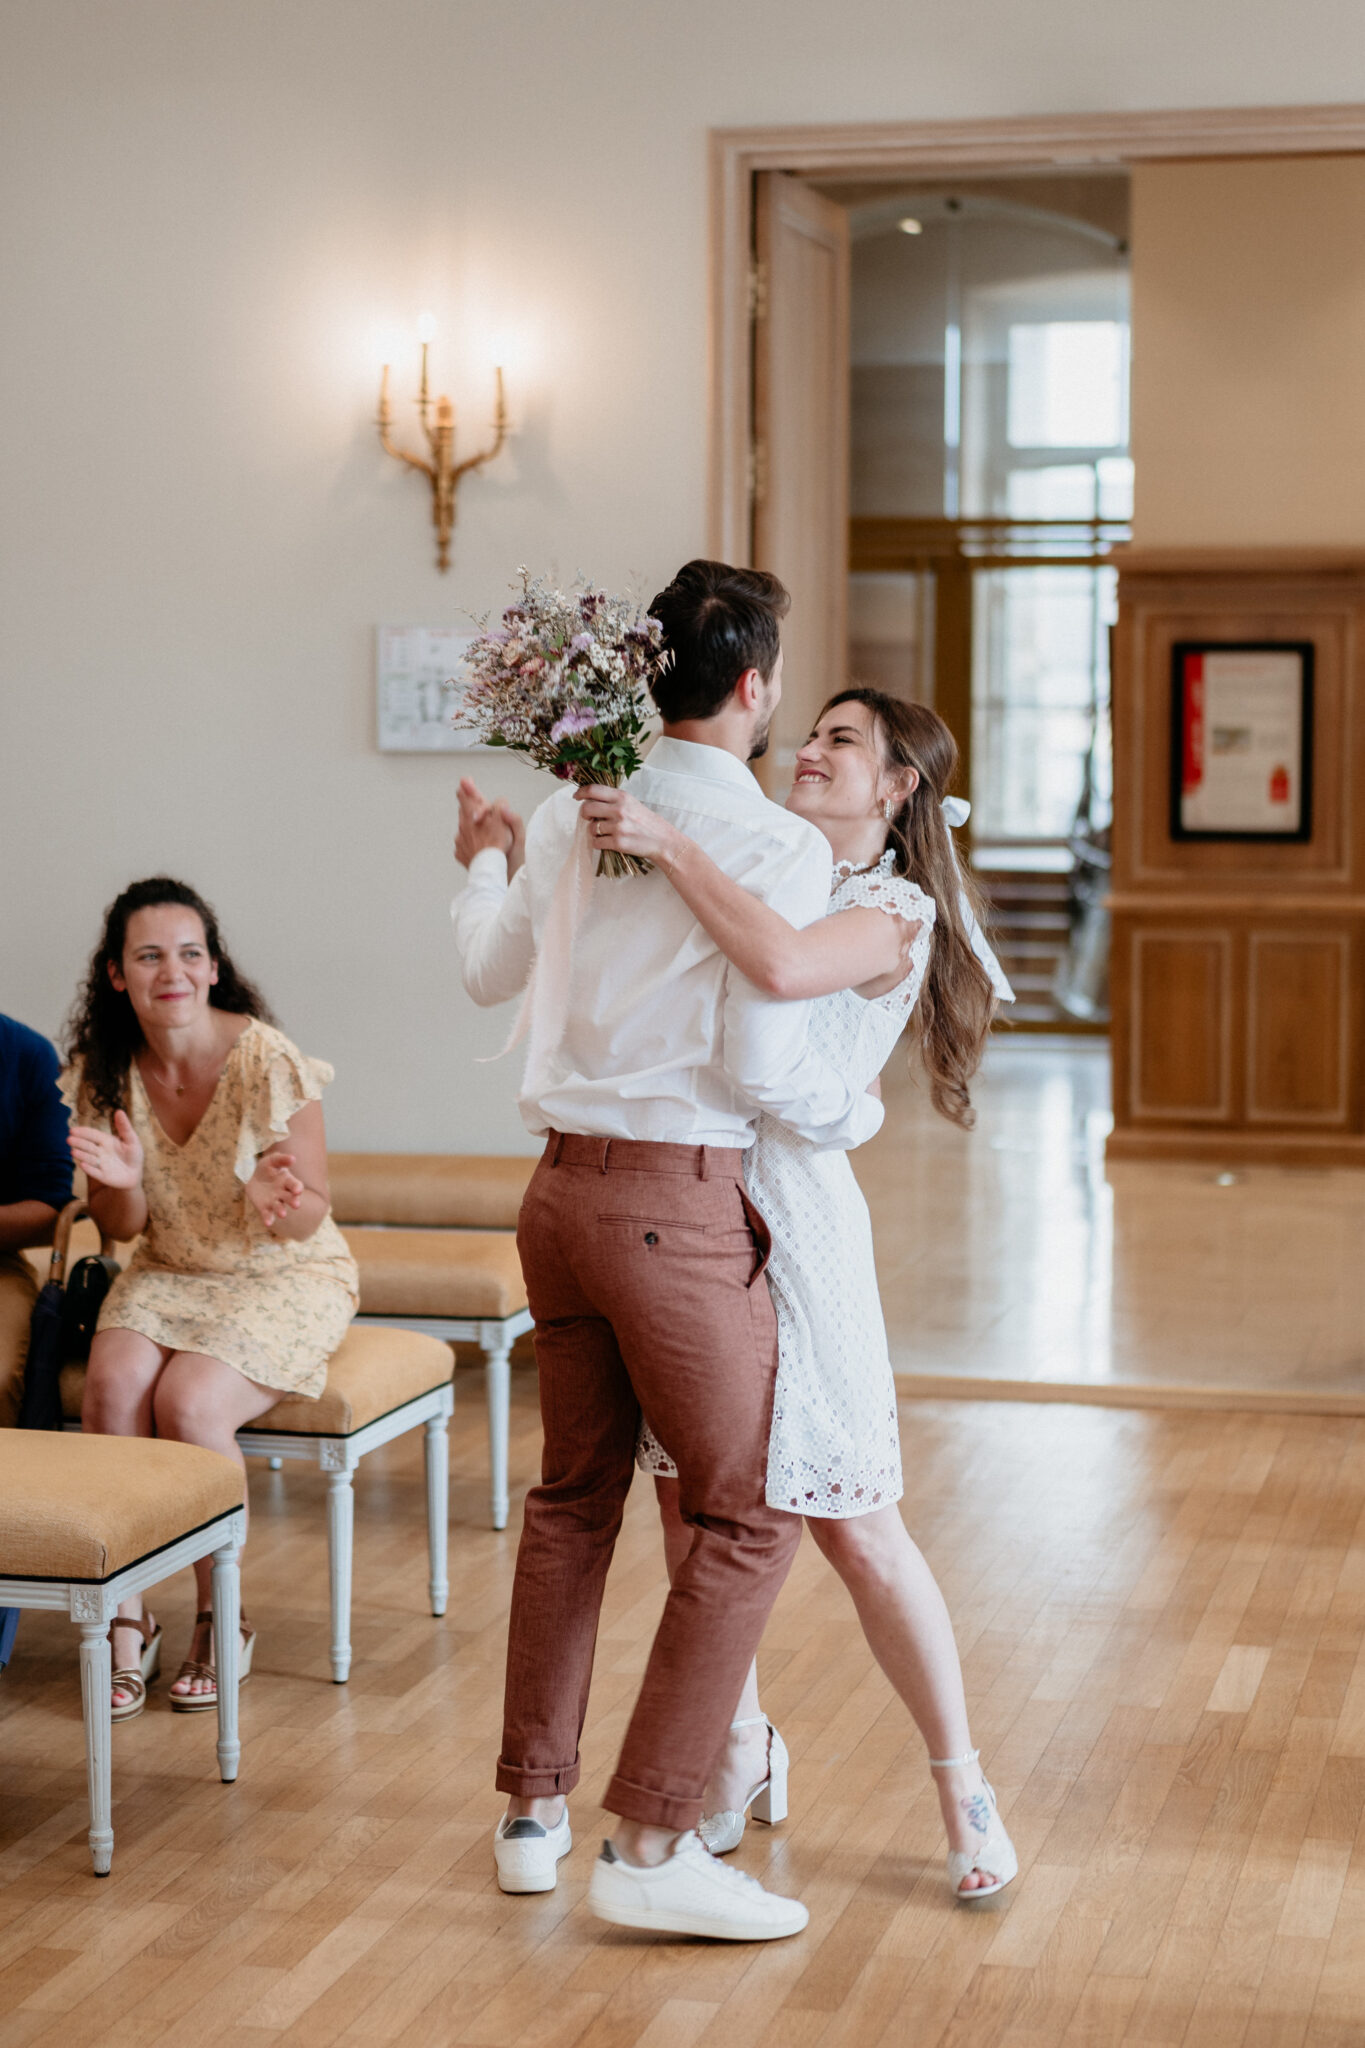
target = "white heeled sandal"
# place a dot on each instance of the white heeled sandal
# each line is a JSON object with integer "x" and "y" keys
{"x": 996, "y": 1856}
{"x": 724, "y": 1831}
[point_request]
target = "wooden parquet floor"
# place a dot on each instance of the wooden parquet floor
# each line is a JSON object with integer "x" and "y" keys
{"x": 1013, "y": 1258}
{"x": 1160, "y": 1617}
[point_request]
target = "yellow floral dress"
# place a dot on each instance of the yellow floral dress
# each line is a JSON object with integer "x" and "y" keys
{"x": 206, "y": 1275}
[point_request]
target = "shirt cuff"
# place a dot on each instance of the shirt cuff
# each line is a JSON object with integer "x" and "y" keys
{"x": 490, "y": 865}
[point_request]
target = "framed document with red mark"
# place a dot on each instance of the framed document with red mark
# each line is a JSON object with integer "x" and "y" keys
{"x": 1241, "y": 739}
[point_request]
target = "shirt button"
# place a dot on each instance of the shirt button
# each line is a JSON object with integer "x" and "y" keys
{"x": 651, "y": 1237}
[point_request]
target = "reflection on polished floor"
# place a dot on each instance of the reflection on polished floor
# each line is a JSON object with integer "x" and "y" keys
{"x": 1012, "y": 1254}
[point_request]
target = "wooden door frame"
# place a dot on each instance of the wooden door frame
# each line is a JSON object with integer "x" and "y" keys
{"x": 929, "y": 148}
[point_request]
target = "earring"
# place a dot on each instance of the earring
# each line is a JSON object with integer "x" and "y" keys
{"x": 888, "y": 809}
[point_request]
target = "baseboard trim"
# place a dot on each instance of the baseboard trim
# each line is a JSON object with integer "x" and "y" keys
{"x": 1237, "y": 1148}
{"x": 1114, "y": 1394}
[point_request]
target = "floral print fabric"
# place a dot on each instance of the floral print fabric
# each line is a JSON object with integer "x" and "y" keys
{"x": 206, "y": 1275}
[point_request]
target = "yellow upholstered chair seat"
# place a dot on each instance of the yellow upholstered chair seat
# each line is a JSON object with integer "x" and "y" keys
{"x": 441, "y": 1190}
{"x": 85, "y": 1507}
{"x": 455, "y": 1273}
{"x": 371, "y": 1373}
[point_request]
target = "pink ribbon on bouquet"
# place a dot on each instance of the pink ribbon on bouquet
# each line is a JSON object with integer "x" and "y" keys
{"x": 544, "y": 1009}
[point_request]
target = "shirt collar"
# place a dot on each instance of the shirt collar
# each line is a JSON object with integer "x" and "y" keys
{"x": 708, "y": 764}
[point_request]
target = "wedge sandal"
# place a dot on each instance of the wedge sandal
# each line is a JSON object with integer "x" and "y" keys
{"x": 204, "y": 1702}
{"x": 133, "y": 1679}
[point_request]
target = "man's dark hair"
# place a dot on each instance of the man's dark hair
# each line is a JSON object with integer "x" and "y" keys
{"x": 718, "y": 622}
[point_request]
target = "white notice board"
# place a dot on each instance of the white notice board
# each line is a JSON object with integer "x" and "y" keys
{"x": 418, "y": 676}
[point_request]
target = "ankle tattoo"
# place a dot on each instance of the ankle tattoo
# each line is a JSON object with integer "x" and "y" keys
{"x": 978, "y": 1812}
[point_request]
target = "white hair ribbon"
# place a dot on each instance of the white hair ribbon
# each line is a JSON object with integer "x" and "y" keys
{"x": 956, "y": 811}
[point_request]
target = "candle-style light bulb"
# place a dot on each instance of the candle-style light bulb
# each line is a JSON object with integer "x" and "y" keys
{"x": 426, "y": 328}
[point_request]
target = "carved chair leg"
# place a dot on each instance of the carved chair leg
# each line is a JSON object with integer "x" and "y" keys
{"x": 438, "y": 1507}
{"x": 498, "y": 1379}
{"x": 340, "y": 1547}
{"x": 227, "y": 1654}
{"x": 96, "y": 1675}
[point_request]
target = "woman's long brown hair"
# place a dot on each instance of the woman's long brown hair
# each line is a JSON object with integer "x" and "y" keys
{"x": 102, "y": 1031}
{"x": 952, "y": 1018}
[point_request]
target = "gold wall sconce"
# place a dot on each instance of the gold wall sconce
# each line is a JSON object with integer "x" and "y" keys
{"x": 442, "y": 470}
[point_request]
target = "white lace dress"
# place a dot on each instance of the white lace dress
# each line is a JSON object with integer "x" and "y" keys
{"x": 835, "y": 1444}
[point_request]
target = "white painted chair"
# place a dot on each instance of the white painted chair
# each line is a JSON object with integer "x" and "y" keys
{"x": 434, "y": 1236}
{"x": 86, "y": 1521}
{"x": 463, "y": 1286}
{"x": 495, "y": 1337}
{"x": 380, "y": 1384}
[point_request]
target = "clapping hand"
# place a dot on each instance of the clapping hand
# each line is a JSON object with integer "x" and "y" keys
{"x": 484, "y": 824}
{"x": 516, "y": 852}
{"x": 274, "y": 1189}
{"x": 113, "y": 1158}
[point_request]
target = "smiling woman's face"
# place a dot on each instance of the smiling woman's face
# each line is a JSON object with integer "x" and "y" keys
{"x": 839, "y": 772}
{"x": 166, "y": 968}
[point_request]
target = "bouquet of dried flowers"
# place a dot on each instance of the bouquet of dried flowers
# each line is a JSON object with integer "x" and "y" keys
{"x": 564, "y": 680}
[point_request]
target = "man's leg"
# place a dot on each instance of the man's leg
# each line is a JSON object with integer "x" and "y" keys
{"x": 671, "y": 1261}
{"x": 571, "y": 1520}
{"x": 677, "y": 1264}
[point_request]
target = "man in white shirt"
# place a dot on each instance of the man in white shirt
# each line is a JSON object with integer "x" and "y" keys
{"x": 649, "y": 1057}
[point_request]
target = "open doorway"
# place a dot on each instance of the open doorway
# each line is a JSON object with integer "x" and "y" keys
{"x": 941, "y": 389}
{"x": 780, "y": 419}
{"x": 990, "y": 477}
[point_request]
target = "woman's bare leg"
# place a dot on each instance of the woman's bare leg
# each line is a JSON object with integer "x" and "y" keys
{"x": 908, "y": 1630}
{"x": 120, "y": 1382}
{"x": 744, "y": 1760}
{"x": 200, "y": 1400}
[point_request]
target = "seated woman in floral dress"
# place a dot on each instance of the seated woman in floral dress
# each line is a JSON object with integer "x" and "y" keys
{"x": 199, "y": 1127}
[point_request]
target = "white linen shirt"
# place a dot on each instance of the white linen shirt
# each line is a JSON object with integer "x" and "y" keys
{"x": 664, "y": 1039}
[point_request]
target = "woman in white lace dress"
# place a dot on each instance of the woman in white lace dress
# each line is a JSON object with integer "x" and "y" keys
{"x": 873, "y": 776}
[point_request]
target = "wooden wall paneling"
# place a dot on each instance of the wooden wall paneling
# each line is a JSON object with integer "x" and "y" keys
{"x": 1298, "y": 1010}
{"x": 1181, "y": 1047}
{"x": 1326, "y": 857}
{"x": 1271, "y": 1066}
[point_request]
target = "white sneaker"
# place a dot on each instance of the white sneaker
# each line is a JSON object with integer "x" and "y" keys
{"x": 690, "y": 1894}
{"x": 527, "y": 1853}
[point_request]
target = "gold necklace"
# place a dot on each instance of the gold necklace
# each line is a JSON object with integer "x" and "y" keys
{"x": 170, "y": 1086}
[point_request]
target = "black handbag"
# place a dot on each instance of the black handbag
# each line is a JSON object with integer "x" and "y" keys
{"x": 82, "y": 1299}
{"x": 63, "y": 1322}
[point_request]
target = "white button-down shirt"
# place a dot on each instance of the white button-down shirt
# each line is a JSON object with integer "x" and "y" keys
{"x": 662, "y": 1038}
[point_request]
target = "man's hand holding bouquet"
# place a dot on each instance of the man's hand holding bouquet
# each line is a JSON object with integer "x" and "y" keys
{"x": 564, "y": 681}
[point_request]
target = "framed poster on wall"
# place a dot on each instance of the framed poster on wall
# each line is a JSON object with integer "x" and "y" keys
{"x": 418, "y": 684}
{"x": 1241, "y": 739}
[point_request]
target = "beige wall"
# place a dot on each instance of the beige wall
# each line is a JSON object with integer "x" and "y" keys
{"x": 210, "y": 206}
{"x": 1249, "y": 352}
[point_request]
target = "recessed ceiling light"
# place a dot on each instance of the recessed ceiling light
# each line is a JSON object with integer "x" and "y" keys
{"x": 910, "y": 226}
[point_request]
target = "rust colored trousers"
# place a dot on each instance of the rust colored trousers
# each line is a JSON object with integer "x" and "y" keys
{"x": 644, "y": 1265}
